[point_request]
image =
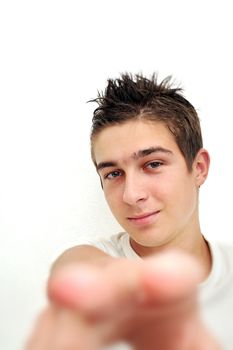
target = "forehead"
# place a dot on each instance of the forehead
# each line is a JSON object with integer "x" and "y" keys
{"x": 119, "y": 142}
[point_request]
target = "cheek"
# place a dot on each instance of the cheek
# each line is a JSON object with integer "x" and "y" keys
{"x": 176, "y": 191}
{"x": 161, "y": 193}
{"x": 113, "y": 201}
{"x": 162, "y": 188}
{"x": 183, "y": 198}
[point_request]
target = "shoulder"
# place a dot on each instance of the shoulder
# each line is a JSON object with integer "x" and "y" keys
{"x": 221, "y": 250}
{"x": 222, "y": 265}
{"x": 117, "y": 245}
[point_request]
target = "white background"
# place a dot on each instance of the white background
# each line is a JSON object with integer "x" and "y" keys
{"x": 54, "y": 56}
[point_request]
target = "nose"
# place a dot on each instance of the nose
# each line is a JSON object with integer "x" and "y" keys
{"x": 134, "y": 190}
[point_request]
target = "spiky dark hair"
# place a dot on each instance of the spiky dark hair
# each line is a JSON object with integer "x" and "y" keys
{"x": 133, "y": 97}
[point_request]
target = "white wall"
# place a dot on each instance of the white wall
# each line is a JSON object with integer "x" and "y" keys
{"x": 54, "y": 56}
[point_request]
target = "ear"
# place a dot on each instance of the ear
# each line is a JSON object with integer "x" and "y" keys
{"x": 201, "y": 166}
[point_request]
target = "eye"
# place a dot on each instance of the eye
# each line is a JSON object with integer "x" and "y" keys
{"x": 154, "y": 164}
{"x": 112, "y": 175}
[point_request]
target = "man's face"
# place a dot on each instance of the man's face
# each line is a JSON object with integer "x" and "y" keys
{"x": 146, "y": 182}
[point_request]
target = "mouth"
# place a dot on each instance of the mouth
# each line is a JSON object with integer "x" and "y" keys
{"x": 145, "y": 218}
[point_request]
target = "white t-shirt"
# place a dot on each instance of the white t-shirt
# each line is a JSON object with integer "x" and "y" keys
{"x": 215, "y": 293}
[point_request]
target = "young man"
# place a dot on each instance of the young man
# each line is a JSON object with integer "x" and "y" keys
{"x": 140, "y": 285}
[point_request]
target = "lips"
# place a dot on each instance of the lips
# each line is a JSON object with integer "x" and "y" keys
{"x": 144, "y": 218}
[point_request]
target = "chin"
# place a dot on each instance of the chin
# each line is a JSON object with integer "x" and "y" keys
{"x": 151, "y": 239}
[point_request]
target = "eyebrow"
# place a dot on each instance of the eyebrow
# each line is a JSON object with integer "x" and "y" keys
{"x": 136, "y": 155}
{"x": 150, "y": 150}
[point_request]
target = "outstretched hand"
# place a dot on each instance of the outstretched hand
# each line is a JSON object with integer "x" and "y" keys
{"x": 150, "y": 303}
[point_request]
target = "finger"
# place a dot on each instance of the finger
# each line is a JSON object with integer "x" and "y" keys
{"x": 165, "y": 277}
{"x": 169, "y": 276}
{"x": 90, "y": 288}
